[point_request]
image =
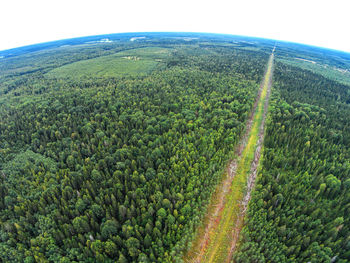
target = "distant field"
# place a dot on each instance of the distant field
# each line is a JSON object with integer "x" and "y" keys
{"x": 129, "y": 62}
{"x": 331, "y": 72}
{"x": 334, "y": 73}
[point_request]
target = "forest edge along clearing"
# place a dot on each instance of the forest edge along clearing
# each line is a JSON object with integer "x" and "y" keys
{"x": 216, "y": 233}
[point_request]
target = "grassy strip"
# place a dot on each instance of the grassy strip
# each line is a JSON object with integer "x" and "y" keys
{"x": 219, "y": 245}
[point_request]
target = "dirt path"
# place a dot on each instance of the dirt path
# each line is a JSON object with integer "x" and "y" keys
{"x": 227, "y": 204}
{"x": 254, "y": 166}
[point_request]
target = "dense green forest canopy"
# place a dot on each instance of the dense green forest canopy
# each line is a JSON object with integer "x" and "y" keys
{"x": 119, "y": 164}
{"x": 300, "y": 209}
{"x": 111, "y": 146}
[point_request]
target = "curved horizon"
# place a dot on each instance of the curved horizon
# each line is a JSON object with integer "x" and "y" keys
{"x": 313, "y": 22}
{"x": 166, "y": 32}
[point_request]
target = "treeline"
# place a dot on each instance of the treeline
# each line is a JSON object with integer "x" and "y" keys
{"x": 300, "y": 209}
{"x": 224, "y": 59}
{"x": 117, "y": 169}
{"x": 29, "y": 70}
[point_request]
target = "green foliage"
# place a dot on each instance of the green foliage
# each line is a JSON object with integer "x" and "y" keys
{"x": 80, "y": 224}
{"x": 161, "y": 213}
{"x": 109, "y": 229}
{"x": 133, "y": 245}
{"x": 117, "y": 167}
{"x": 101, "y": 163}
{"x": 338, "y": 74}
{"x": 28, "y": 160}
{"x": 300, "y": 209}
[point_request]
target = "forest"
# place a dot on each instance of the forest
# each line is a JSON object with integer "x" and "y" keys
{"x": 105, "y": 168}
{"x": 299, "y": 211}
{"x": 110, "y": 152}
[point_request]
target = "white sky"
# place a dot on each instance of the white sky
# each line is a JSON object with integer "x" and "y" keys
{"x": 323, "y": 23}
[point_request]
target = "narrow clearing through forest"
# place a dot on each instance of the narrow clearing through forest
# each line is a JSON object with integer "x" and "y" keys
{"x": 216, "y": 240}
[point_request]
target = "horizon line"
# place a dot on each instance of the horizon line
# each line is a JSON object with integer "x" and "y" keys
{"x": 179, "y": 32}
